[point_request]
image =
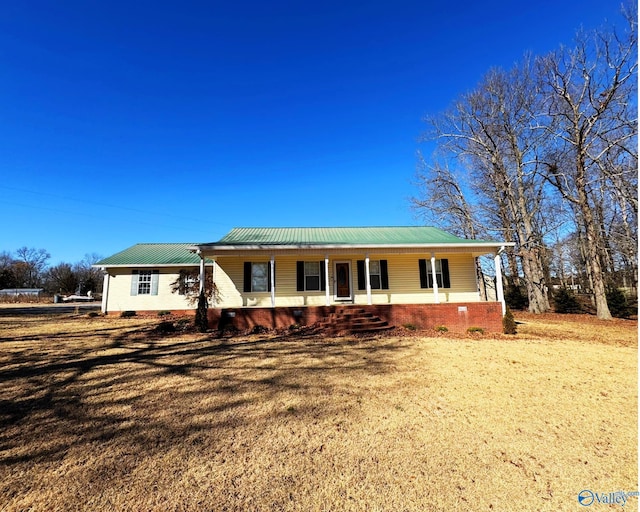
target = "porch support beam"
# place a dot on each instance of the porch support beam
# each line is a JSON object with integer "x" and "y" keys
{"x": 202, "y": 273}
{"x": 367, "y": 278}
{"x": 326, "y": 281}
{"x": 105, "y": 290}
{"x": 436, "y": 296}
{"x": 497, "y": 261}
{"x": 213, "y": 282}
{"x": 273, "y": 280}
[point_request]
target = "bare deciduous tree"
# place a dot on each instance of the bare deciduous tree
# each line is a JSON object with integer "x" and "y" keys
{"x": 492, "y": 132}
{"x": 61, "y": 279}
{"x": 588, "y": 90}
{"x": 441, "y": 201}
{"x": 549, "y": 148}
{"x": 32, "y": 263}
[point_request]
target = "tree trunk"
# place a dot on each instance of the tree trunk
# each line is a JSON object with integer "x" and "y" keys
{"x": 536, "y": 286}
{"x": 594, "y": 267}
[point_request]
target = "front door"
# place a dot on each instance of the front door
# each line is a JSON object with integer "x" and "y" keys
{"x": 343, "y": 280}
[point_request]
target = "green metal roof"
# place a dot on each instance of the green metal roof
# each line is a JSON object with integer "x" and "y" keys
{"x": 388, "y": 235}
{"x": 182, "y": 253}
{"x": 152, "y": 254}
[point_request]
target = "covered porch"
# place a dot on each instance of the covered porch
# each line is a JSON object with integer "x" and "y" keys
{"x": 343, "y": 278}
{"x": 294, "y": 273}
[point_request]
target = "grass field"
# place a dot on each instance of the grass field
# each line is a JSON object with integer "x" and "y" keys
{"x": 102, "y": 414}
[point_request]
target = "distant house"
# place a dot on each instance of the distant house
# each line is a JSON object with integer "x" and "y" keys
{"x": 18, "y": 292}
{"x": 282, "y": 276}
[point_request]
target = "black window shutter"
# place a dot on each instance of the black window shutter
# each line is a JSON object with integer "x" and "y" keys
{"x": 446, "y": 281}
{"x": 362, "y": 282}
{"x": 247, "y": 276}
{"x": 323, "y": 277}
{"x": 384, "y": 275}
{"x": 300, "y": 276}
{"x": 424, "y": 281}
{"x": 269, "y": 275}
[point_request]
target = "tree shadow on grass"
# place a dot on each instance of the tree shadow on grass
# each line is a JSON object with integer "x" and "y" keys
{"x": 130, "y": 387}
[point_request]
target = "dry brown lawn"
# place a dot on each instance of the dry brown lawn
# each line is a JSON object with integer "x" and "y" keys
{"x": 101, "y": 414}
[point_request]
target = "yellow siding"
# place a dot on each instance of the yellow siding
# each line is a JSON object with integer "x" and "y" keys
{"x": 227, "y": 277}
{"x": 404, "y": 281}
{"x": 230, "y": 282}
{"x": 404, "y": 284}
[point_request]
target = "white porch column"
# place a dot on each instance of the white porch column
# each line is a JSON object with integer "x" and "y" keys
{"x": 367, "y": 278}
{"x": 326, "y": 280}
{"x": 497, "y": 261}
{"x": 202, "y": 273}
{"x": 213, "y": 282}
{"x": 105, "y": 291}
{"x": 273, "y": 280}
{"x": 436, "y": 297}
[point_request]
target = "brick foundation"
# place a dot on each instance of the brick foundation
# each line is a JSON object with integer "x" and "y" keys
{"x": 456, "y": 317}
{"x": 154, "y": 313}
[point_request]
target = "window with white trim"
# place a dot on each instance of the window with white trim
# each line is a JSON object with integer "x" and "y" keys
{"x": 378, "y": 275}
{"x": 312, "y": 275}
{"x": 144, "y": 282}
{"x": 259, "y": 277}
{"x": 375, "y": 278}
{"x": 442, "y": 273}
{"x": 188, "y": 283}
{"x": 438, "y": 265}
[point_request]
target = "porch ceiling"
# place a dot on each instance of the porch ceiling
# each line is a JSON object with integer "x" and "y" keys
{"x": 340, "y": 251}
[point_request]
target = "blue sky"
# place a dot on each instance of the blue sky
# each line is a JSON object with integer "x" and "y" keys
{"x": 139, "y": 121}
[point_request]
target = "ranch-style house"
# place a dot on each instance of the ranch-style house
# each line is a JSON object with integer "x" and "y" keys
{"x": 277, "y": 277}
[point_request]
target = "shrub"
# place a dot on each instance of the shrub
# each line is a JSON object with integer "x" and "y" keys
{"x": 127, "y": 314}
{"x": 183, "y": 324}
{"x": 409, "y": 327}
{"x": 509, "y": 323}
{"x": 164, "y": 313}
{"x": 516, "y": 298}
{"x": 618, "y": 304}
{"x": 165, "y": 328}
{"x": 442, "y": 328}
{"x": 259, "y": 329}
{"x": 472, "y": 330}
{"x": 564, "y": 301}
